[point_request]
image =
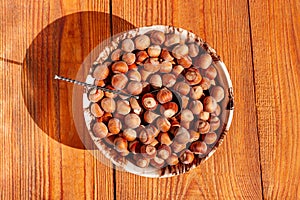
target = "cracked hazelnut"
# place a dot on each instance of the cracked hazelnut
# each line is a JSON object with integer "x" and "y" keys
{"x": 169, "y": 109}
{"x": 164, "y": 138}
{"x": 186, "y": 157}
{"x": 96, "y": 110}
{"x": 149, "y": 102}
{"x": 218, "y": 93}
{"x": 155, "y": 81}
{"x": 101, "y": 72}
{"x": 198, "y": 147}
{"x": 163, "y": 124}
{"x": 127, "y": 45}
{"x": 132, "y": 120}
{"x": 209, "y": 104}
{"x": 193, "y": 76}
{"x": 157, "y": 37}
{"x": 108, "y": 105}
{"x": 210, "y": 138}
{"x": 196, "y": 107}
{"x": 134, "y": 87}
{"x": 129, "y": 134}
{"x": 203, "y": 61}
{"x": 173, "y": 159}
{"x": 114, "y": 125}
{"x": 154, "y": 51}
{"x": 164, "y": 96}
{"x": 168, "y": 80}
{"x": 142, "y": 42}
{"x": 100, "y": 130}
{"x": 171, "y": 39}
{"x": 119, "y": 67}
{"x": 119, "y": 81}
{"x": 128, "y": 58}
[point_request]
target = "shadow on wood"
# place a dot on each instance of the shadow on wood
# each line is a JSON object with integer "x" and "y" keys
{"x": 60, "y": 49}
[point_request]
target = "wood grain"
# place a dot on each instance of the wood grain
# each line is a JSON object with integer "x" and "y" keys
{"x": 276, "y": 43}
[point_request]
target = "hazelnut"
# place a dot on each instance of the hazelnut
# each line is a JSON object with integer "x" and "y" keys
{"x": 99, "y": 83}
{"x": 163, "y": 124}
{"x": 110, "y": 94}
{"x": 185, "y": 61}
{"x": 129, "y": 58}
{"x": 154, "y": 142}
{"x": 109, "y": 140}
{"x": 119, "y": 67}
{"x": 196, "y": 107}
{"x": 193, "y": 76}
{"x": 134, "y": 75}
{"x": 186, "y": 157}
{"x": 132, "y": 66}
{"x": 198, "y": 147}
{"x": 119, "y": 81}
{"x": 127, "y": 45}
{"x": 182, "y": 135}
{"x": 152, "y": 65}
{"x": 172, "y": 160}
{"x": 182, "y": 87}
{"x": 196, "y": 92}
{"x": 193, "y": 50}
{"x": 145, "y": 74}
{"x": 146, "y": 135}
{"x": 185, "y": 124}
{"x": 165, "y": 67}
{"x": 96, "y": 110}
{"x": 203, "y": 61}
{"x": 217, "y": 111}
{"x": 165, "y": 55}
{"x": 164, "y": 138}
{"x": 163, "y": 151}
{"x": 141, "y": 56}
{"x": 210, "y": 72}
{"x": 141, "y": 161}
{"x": 148, "y": 151}
{"x": 116, "y": 55}
{"x": 218, "y": 93}
{"x": 95, "y": 95}
{"x": 164, "y": 96}
{"x": 171, "y": 39}
{"x": 155, "y": 81}
{"x": 168, "y": 80}
{"x": 135, "y": 106}
{"x": 100, "y": 130}
{"x": 214, "y": 123}
{"x": 177, "y": 69}
{"x": 205, "y": 83}
{"x": 174, "y": 122}
{"x": 129, "y": 134}
{"x": 176, "y": 147}
{"x": 142, "y": 42}
{"x": 134, "y": 87}
{"x": 186, "y": 115}
{"x": 185, "y": 102}
{"x": 194, "y": 135}
{"x": 101, "y": 72}
{"x": 169, "y": 109}
{"x": 154, "y": 51}
{"x": 105, "y": 118}
{"x": 156, "y": 162}
{"x": 210, "y": 138}
{"x": 203, "y": 127}
{"x": 134, "y": 146}
{"x": 204, "y": 116}
{"x": 209, "y": 104}
{"x": 114, "y": 125}
{"x": 149, "y": 102}
{"x": 180, "y": 50}
{"x": 157, "y": 37}
{"x": 132, "y": 120}
{"x": 108, "y": 105}
{"x": 150, "y": 116}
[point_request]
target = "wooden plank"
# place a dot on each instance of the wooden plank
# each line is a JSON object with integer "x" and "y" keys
{"x": 276, "y": 43}
{"x": 233, "y": 172}
{"x": 41, "y": 155}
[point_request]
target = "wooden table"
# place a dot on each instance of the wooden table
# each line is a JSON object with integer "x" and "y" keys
{"x": 42, "y": 156}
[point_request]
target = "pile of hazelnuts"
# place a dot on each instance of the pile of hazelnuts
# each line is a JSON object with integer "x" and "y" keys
{"x": 176, "y": 117}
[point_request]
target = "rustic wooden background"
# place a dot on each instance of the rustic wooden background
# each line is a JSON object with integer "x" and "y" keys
{"x": 41, "y": 155}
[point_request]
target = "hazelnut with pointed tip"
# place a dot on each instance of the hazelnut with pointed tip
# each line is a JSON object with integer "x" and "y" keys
{"x": 164, "y": 96}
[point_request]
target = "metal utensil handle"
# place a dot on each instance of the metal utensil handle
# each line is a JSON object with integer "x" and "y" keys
{"x": 92, "y": 86}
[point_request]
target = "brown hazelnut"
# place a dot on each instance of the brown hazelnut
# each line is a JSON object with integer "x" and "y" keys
{"x": 116, "y": 55}
{"x": 168, "y": 80}
{"x": 156, "y": 162}
{"x": 198, "y": 147}
{"x": 203, "y": 61}
{"x": 185, "y": 102}
{"x": 149, "y": 102}
{"x": 101, "y": 72}
{"x": 145, "y": 74}
{"x": 180, "y": 50}
{"x": 134, "y": 75}
{"x": 185, "y": 61}
{"x": 120, "y": 144}
{"x": 146, "y": 135}
{"x": 174, "y": 122}
{"x": 210, "y": 138}
{"x": 100, "y": 130}
{"x": 142, "y": 162}
{"x": 185, "y": 124}
{"x": 193, "y": 50}
{"x": 129, "y": 134}
{"x": 173, "y": 159}
{"x": 193, "y": 76}
{"x": 165, "y": 67}
{"x": 142, "y": 42}
{"x": 119, "y": 81}
{"x": 105, "y": 118}
{"x": 128, "y": 58}
{"x": 132, "y": 120}
{"x": 165, "y": 55}
{"x": 95, "y": 95}
{"x": 210, "y": 72}
{"x": 194, "y": 135}
{"x": 108, "y": 105}
{"x": 204, "y": 116}
{"x": 134, "y": 146}
{"x": 155, "y": 81}
{"x": 127, "y": 45}
{"x": 182, "y": 135}
{"x": 109, "y": 140}
{"x": 163, "y": 124}
{"x": 214, "y": 123}
{"x": 154, "y": 143}
{"x": 134, "y": 87}
{"x": 96, "y": 110}
{"x": 148, "y": 151}
{"x": 119, "y": 67}
{"x": 203, "y": 127}
{"x": 114, "y": 125}
{"x": 150, "y": 116}
{"x": 177, "y": 70}
{"x": 152, "y": 65}
{"x": 186, "y": 157}
{"x": 177, "y": 147}
{"x": 154, "y": 51}
{"x": 218, "y": 93}
{"x": 209, "y": 104}
{"x": 135, "y": 106}
{"x": 186, "y": 115}
{"x": 217, "y": 111}
{"x": 196, "y": 92}
{"x": 205, "y": 83}
{"x": 169, "y": 109}
{"x": 164, "y": 96}
{"x": 182, "y": 87}
{"x": 110, "y": 94}
{"x": 196, "y": 107}
{"x": 99, "y": 83}
{"x": 171, "y": 39}
{"x": 163, "y": 151}
{"x": 157, "y": 37}
{"x": 141, "y": 56}
{"x": 164, "y": 138}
